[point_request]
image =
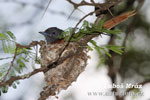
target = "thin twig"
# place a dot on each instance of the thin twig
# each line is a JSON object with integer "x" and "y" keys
{"x": 11, "y": 65}
{"x": 46, "y": 8}
{"x": 103, "y": 6}
{"x": 110, "y": 12}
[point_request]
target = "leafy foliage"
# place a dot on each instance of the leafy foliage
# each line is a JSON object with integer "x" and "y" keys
{"x": 23, "y": 55}
{"x": 87, "y": 29}
{"x": 101, "y": 50}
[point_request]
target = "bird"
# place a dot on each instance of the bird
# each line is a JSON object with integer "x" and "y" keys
{"x": 72, "y": 63}
{"x": 52, "y": 34}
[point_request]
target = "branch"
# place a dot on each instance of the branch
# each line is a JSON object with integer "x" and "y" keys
{"x": 32, "y": 44}
{"x": 46, "y": 8}
{"x": 102, "y": 6}
{"x": 15, "y": 78}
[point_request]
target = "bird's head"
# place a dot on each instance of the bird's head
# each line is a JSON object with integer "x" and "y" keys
{"x": 52, "y": 34}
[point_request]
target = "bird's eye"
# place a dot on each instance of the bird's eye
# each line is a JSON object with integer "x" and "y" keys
{"x": 53, "y": 32}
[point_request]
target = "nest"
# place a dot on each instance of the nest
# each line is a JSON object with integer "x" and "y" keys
{"x": 61, "y": 76}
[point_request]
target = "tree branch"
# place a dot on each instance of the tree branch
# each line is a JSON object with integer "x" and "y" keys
{"x": 15, "y": 78}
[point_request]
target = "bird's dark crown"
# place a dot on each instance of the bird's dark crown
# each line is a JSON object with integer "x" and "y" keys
{"x": 53, "y": 29}
{"x": 52, "y": 34}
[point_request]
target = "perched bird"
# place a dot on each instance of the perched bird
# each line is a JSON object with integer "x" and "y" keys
{"x": 52, "y": 34}
{"x": 72, "y": 62}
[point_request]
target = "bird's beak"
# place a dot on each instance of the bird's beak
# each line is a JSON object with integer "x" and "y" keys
{"x": 43, "y": 33}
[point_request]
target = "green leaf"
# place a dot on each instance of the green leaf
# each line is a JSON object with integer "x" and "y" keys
{"x": 115, "y": 48}
{"x": 100, "y": 24}
{"x": 101, "y": 61}
{"x": 21, "y": 63}
{"x": 25, "y": 59}
{"x": 17, "y": 68}
{"x": 93, "y": 42}
{"x": 4, "y": 90}
{"x": 11, "y": 73}
{"x": 3, "y": 69}
{"x": 14, "y": 86}
{"x": 5, "y": 48}
{"x": 1, "y": 74}
{"x": 98, "y": 50}
{"x": 107, "y": 53}
{"x": 85, "y": 24}
{"x": 26, "y": 51}
{"x": 96, "y": 47}
{"x": 11, "y": 47}
{"x": 3, "y": 36}
{"x": 117, "y": 51}
{"x": 79, "y": 37}
{"x": 111, "y": 31}
{"x": 90, "y": 48}
{"x": 38, "y": 61}
{"x": 11, "y": 35}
